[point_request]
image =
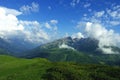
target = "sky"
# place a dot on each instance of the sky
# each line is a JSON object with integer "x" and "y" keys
{"x": 46, "y": 20}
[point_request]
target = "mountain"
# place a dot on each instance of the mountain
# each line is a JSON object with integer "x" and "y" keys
{"x": 15, "y": 46}
{"x": 86, "y": 45}
{"x": 5, "y": 47}
{"x": 84, "y": 50}
{"x": 3, "y": 52}
{"x": 83, "y": 44}
{"x": 12, "y": 68}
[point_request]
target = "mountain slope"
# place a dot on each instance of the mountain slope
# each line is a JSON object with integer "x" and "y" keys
{"x": 15, "y": 47}
{"x": 22, "y": 69}
{"x": 41, "y": 69}
{"x": 76, "y": 50}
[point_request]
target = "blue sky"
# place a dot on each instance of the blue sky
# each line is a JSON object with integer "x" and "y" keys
{"x": 59, "y": 18}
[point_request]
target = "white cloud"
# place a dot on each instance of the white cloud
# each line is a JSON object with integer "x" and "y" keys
{"x": 114, "y": 23}
{"x": 52, "y": 25}
{"x": 78, "y": 35}
{"x": 10, "y": 11}
{"x": 8, "y": 20}
{"x": 105, "y": 37}
{"x": 29, "y": 23}
{"x": 51, "y": 28}
{"x": 55, "y": 28}
{"x": 81, "y": 24}
{"x": 66, "y": 46}
{"x": 33, "y": 31}
{"x": 115, "y": 12}
{"x": 107, "y": 50}
{"x": 114, "y": 15}
{"x": 87, "y": 5}
{"x": 109, "y": 17}
{"x": 34, "y": 7}
{"x": 12, "y": 27}
{"x": 36, "y": 37}
{"x": 47, "y": 25}
{"x": 54, "y": 21}
{"x": 96, "y": 24}
{"x": 99, "y": 14}
{"x": 74, "y": 3}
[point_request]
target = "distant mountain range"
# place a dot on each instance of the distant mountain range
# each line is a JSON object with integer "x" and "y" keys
{"x": 14, "y": 47}
{"x": 84, "y": 50}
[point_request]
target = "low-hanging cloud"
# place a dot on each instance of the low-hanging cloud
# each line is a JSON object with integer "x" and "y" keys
{"x": 66, "y": 46}
{"x": 105, "y": 37}
{"x": 78, "y": 35}
{"x": 98, "y": 26}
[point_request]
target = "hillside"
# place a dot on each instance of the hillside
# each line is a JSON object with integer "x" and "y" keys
{"x": 83, "y": 50}
{"x": 15, "y": 47}
{"x": 41, "y": 69}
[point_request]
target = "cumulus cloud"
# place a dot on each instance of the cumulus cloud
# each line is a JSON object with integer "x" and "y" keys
{"x": 105, "y": 37}
{"x": 96, "y": 26}
{"x": 8, "y": 20}
{"x": 10, "y": 11}
{"x": 33, "y": 31}
{"x": 66, "y": 46}
{"x": 34, "y": 7}
{"x": 52, "y": 25}
{"x": 74, "y": 3}
{"x": 47, "y": 25}
{"x": 11, "y": 26}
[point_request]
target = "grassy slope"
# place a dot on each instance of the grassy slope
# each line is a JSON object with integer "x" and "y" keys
{"x": 22, "y": 69}
{"x": 68, "y": 55}
{"x": 41, "y": 69}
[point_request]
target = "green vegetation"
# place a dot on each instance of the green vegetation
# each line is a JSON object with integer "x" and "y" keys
{"x": 85, "y": 51}
{"x": 69, "y": 55}
{"x": 41, "y": 69}
{"x": 22, "y": 69}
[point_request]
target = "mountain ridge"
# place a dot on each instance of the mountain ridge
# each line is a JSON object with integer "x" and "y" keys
{"x": 88, "y": 52}
{"x": 84, "y": 50}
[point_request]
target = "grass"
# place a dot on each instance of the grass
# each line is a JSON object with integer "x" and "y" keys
{"x": 22, "y": 69}
{"x": 12, "y": 68}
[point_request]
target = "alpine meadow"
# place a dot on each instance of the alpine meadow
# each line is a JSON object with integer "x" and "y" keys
{"x": 60, "y": 40}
